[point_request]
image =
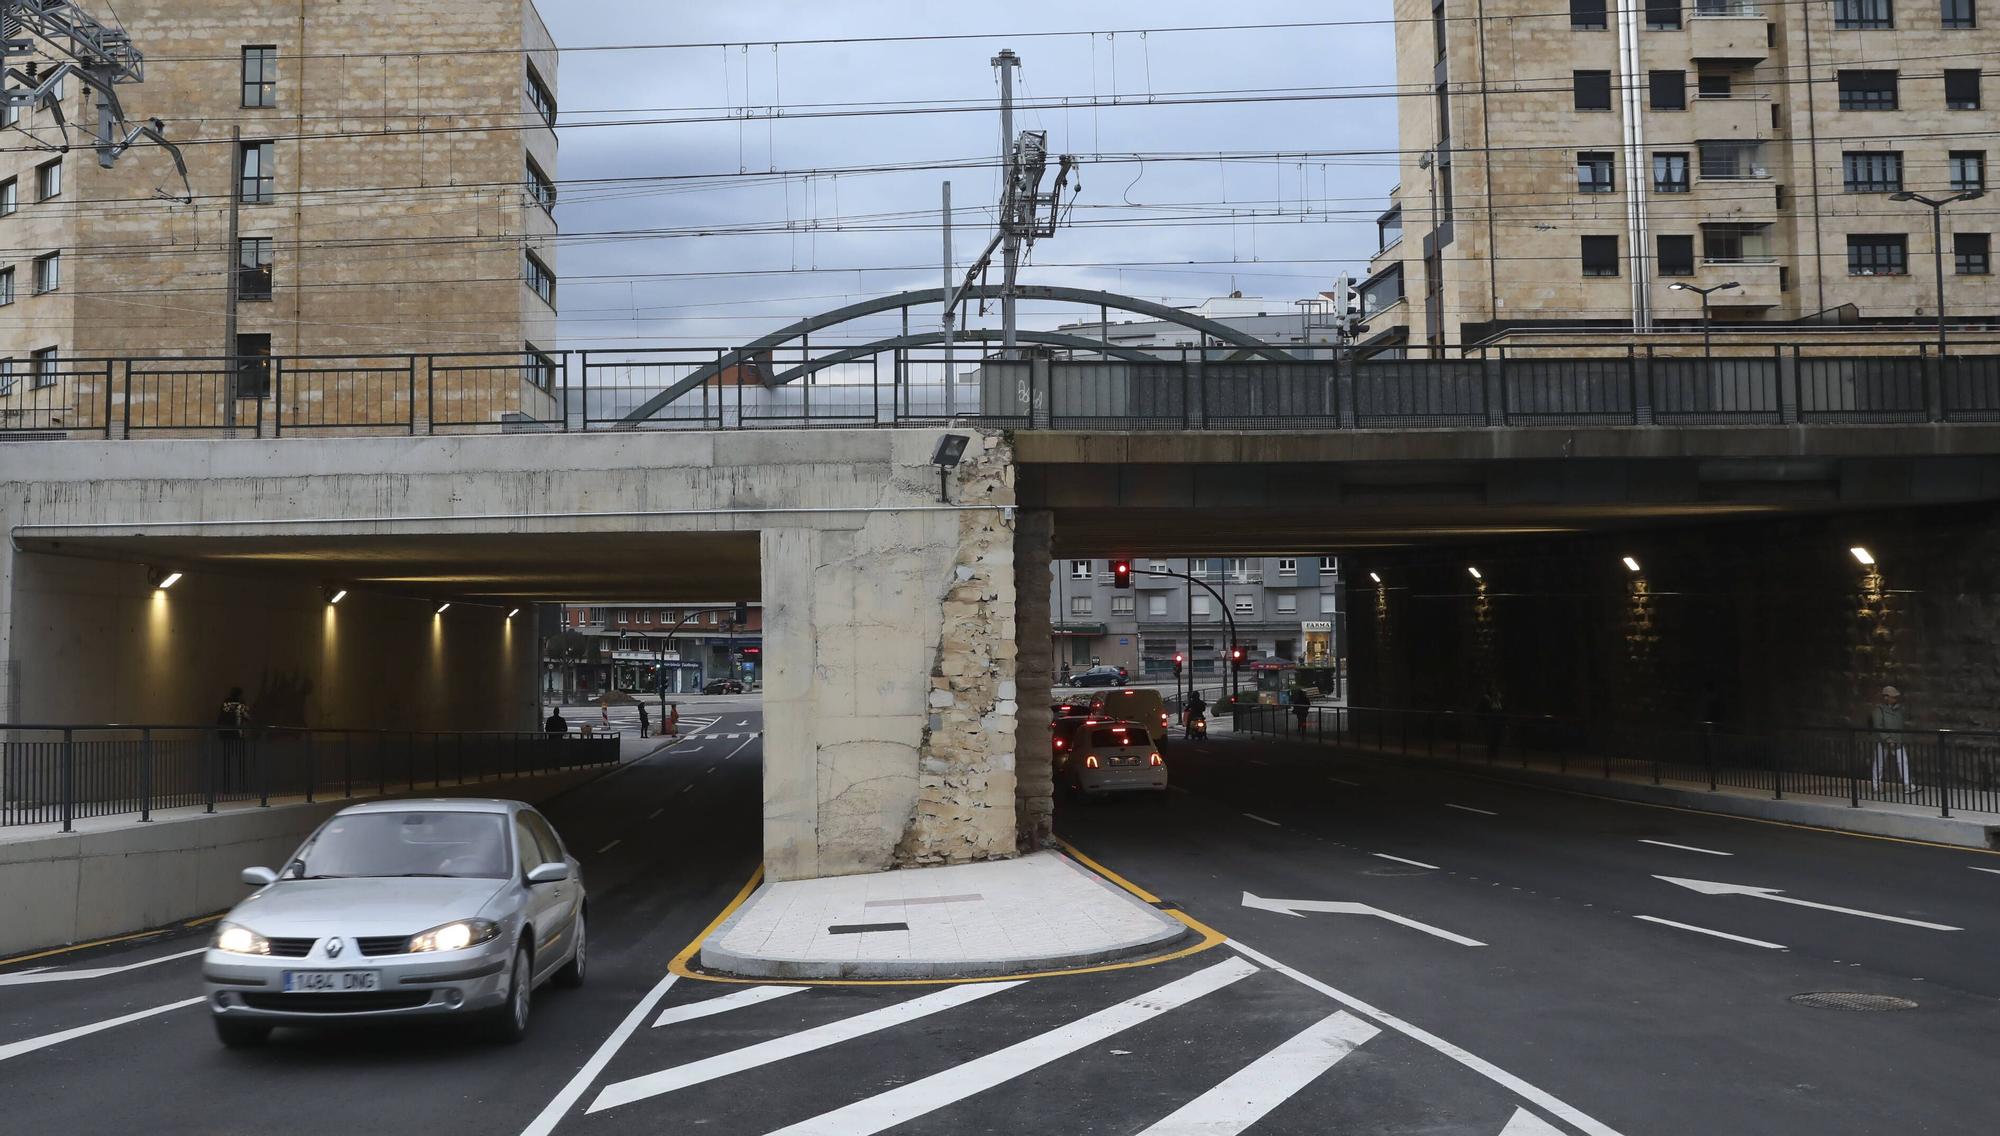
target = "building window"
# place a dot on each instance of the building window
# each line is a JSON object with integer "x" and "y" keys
{"x": 6, "y": 285}
{"x": 10, "y": 197}
{"x": 1243, "y": 604}
{"x": 48, "y": 273}
{"x": 10, "y": 114}
{"x": 1877, "y": 254}
{"x": 1157, "y": 565}
{"x": 624, "y": 617}
{"x": 1873, "y": 171}
{"x": 1663, "y": 15}
{"x": 1587, "y": 15}
{"x": 48, "y": 180}
{"x": 253, "y": 365}
{"x": 1669, "y": 89}
{"x": 1958, "y": 13}
{"x": 260, "y": 76}
{"x": 1288, "y": 566}
{"x": 1198, "y": 568}
{"x": 1079, "y": 605}
{"x": 540, "y": 97}
{"x": 1974, "y": 252}
{"x": 540, "y": 369}
{"x": 1239, "y": 569}
{"x": 1121, "y": 605}
{"x": 258, "y": 184}
{"x": 1389, "y": 229}
{"x": 1968, "y": 170}
{"x": 1713, "y": 85}
{"x": 1732, "y": 160}
{"x": 1156, "y": 606}
{"x": 1863, "y": 15}
{"x": 1736, "y": 243}
{"x": 1288, "y": 603}
{"x": 1593, "y": 172}
{"x": 1200, "y": 607}
{"x": 6, "y": 377}
{"x": 1868, "y": 90}
{"x": 1079, "y": 569}
{"x": 1670, "y": 172}
{"x": 1600, "y": 256}
{"x": 1593, "y": 89}
{"x": 1677, "y": 255}
{"x": 539, "y": 279}
{"x": 253, "y": 268}
{"x": 42, "y": 368}
{"x": 1438, "y": 39}
{"x": 540, "y": 188}
{"x": 1961, "y": 89}
{"x": 1328, "y": 603}
{"x": 1329, "y": 565}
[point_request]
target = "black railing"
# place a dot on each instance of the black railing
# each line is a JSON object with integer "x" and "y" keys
{"x": 1568, "y": 385}
{"x": 1941, "y": 769}
{"x": 60, "y": 774}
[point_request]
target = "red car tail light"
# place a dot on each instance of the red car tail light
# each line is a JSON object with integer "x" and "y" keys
{"x": 1156, "y": 760}
{"x": 1090, "y": 761}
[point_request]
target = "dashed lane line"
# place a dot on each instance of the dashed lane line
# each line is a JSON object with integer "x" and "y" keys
{"x": 1263, "y": 820}
{"x": 1470, "y": 809}
{"x": 609, "y": 847}
{"x": 44, "y": 974}
{"x": 1245, "y": 1096}
{"x": 1412, "y": 863}
{"x": 1349, "y": 784}
{"x": 16, "y": 1049}
{"x": 1717, "y": 934}
{"x": 655, "y": 814}
{"x": 1685, "y": 847}
{"x": 710, "y": 1007}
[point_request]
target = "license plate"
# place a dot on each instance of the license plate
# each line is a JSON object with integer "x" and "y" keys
{"x": 331, "y": 981}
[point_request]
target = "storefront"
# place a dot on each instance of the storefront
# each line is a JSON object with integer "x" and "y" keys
{"x": 648, "y": 672}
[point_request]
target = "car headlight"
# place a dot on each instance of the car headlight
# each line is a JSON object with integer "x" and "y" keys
{"x": 454, "y": 936}
{"x": 239, "y": 940}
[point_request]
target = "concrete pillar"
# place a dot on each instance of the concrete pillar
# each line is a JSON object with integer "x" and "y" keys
{"x": 1034, "y": 783}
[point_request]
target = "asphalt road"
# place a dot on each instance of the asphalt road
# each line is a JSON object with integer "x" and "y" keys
{"x": 1573, "y": 1016}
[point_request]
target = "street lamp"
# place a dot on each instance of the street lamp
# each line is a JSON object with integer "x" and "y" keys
{"x": 1937, "y": 243}
{"x": 1683, "y": 286}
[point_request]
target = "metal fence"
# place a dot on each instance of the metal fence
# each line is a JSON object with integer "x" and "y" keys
{"x": 1940, "y": 769}
{"x": 59, "y": 774}
{"x": 1569, "y": 384}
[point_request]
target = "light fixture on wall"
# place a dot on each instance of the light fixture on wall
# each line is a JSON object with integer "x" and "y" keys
{"x": 1863, "y": 556}
{"x": 513, "y": 613}
{"x": 163, "y": 579}
{"x": 950, "y": 449}
{"x": 1474, "y": 569}
{"x": 1375, "y": 577}
{"x": 1631, "y": 565}
{"x": 442, "y": 608}
{"x": 335, "y": 595}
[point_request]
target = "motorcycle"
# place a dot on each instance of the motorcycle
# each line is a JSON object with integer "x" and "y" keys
{"x": 1197, "y": 726}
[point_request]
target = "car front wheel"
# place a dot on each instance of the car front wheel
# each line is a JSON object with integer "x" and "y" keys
{"x": 509, "y": 1021}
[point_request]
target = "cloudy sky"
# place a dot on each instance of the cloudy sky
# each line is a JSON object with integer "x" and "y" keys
{"x": 1178, "y": 202}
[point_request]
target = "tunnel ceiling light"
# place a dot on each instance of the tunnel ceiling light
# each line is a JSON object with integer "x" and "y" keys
{"x": 1375, "y": 577}
{"x": 1863, "y": 555}
{"x": 1631, "y": 565}
{"x": 338, "y": 595}
{"x": 168, "y": 581}
{"x": 1474, "y": 569}
{"x": 513, "y": 613}
{"x": 443, "y": 607}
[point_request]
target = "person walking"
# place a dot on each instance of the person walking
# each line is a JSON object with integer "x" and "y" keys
{"x": 1888, "y": 718}
{"x": 1301, "y": 707}
{"x": 230, "y": 720}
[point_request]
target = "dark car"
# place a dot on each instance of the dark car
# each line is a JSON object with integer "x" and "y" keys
{"x": 1098, "y": 676}
{"x": 1062, "y": 731}
{"x": 722, "y": 686}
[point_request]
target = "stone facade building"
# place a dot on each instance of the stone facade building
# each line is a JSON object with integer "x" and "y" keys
{"x": 390, "y": 170}
{"x": 1568, "y": 164}
{"x": 1284, "y": 607}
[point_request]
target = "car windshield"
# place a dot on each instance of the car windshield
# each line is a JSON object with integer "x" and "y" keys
{"x": 461, "y": 844}
{"x": 1128, "y": 736}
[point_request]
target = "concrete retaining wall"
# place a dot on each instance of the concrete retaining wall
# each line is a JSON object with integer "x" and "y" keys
{"x": 80, "y": 886}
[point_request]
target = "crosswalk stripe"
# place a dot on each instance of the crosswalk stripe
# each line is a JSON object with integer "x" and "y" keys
{"x": 1245, "y": 1096}
{"x": 722, "y": 1005}
{"x": 906, "y": 1102}
{"x": 792, "y": 1045}
{"x": 1526, "y": 1123}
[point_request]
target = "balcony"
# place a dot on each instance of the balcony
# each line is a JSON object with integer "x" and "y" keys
{"x": 1745, "y": 117}
{"x": 1728, "y": 30}
{"x": 1760, "y": 281}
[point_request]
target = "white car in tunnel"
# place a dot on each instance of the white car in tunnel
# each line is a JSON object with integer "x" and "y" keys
{"x": 1105, "y": 756}
{"x": 400, "y": 909}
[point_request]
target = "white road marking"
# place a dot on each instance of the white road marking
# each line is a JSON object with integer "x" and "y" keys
{"x": 907, "y": 1102}
{"x": 655, "y": 814}
{"x": 1296, "y": 906}
{"x": 557, "y": 1108}
{"x": 689, "y": 749}
{"x": 686, "y": 788}
{"x": 1413, "y": 863}
{"x": 1711, "y": 887}
{"x": 1349, "y": 784}
{"x": 1244, "y": 1098}
{"x": 1995, "y": 871}
{"x": 1686, "y": 847}
{"x": 1470, "y": 809}
{"x": 1717, "y": 934}
{"x": 722, "y": 1005}
{"x": 740, "y": 748}
{"x": 1479, "y": 1065}
{"x": 792, "y": 1045}
{"x": 744, "y": 722}
{"x": 16, "y": 1049}
{"x": 45, "y": 974}
{"x": 1526, "y": 1123}
{"x": 608, "y": 847}
{"x": 1262, "y": 820}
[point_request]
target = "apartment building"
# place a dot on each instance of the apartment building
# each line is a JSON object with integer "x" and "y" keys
{"x": 651, "y": 649}
{"x": 367, "y": 177}
{"x": 1566, "y": 164}
{"x": 1283, "y": 607}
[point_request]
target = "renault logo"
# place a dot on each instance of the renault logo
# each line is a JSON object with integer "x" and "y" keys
{"x": 333, "y": 947}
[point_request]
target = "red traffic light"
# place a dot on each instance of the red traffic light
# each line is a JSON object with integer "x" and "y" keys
{"x": 1236, "y": 654}
{"x": 1179, "y": 658}
{"x": 1121, "y": 573}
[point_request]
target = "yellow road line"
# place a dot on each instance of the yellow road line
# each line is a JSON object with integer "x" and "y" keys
{"x": 1210, "y": 937}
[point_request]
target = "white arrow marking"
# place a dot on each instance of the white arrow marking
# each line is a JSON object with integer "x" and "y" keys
{"x": 1526, "y": 1123}
{"x": 744, "y": 722}
{"x": 1685, "y": 847}
{"x": 45, "y": 974}
{"x": 1994, "y": 871}
{"x": 1717, "y": 934}
{"x": 1710, "y": 887}
{"x": 1299, "y": 906}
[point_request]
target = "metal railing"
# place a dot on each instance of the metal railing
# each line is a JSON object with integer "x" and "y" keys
{"x": 60, "y": 774}
{"x": 1940, "y": 769}
{"x": 1554, "y": 384}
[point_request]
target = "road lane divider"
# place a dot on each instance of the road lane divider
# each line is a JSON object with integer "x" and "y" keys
{"x": 1412, "y": 863}
{"x": 17, "y": 1048}
{"x": 564, "y": 1100}
{"x": 1247, "y": 1095}
{"x": 47, "y": 975}
{"x": 1990, "y": 871}
{"x": 1263, "y": 820}
{"x": 1342, "y": 781}
{"x": 1718, "y": 934}
{"x": 1470, "y": 809}
{"x": 1684, "y": 847}
{"x": 709, "y": 1007}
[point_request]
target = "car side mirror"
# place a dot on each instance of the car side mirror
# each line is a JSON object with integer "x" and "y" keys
{"x": 553, "y": 872}
{"x": 259, "y": 877}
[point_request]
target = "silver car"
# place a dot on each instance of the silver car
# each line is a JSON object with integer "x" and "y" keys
{"x": 399, "y": 909}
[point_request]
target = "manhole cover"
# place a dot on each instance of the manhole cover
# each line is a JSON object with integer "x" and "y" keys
{"x": 1843, "y": 1000}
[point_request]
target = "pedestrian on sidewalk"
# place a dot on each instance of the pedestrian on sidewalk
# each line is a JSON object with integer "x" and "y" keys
{"x": 556, "y": 726}
{"x": 1301, "y": 707}
{"x": 231, "y": 718}
{"x": 1889, "y": 719}
{"x": 643, "y": 722}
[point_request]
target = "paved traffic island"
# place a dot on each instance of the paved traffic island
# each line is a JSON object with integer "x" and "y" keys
{"x": 997, "y": 917}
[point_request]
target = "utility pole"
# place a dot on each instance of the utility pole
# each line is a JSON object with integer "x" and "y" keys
{"x": 230, "y": 265}
{"x": 950, "y": 379}
{"x": 1010, "y": 248}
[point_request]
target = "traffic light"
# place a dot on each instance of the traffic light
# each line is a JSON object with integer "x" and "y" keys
{"x": 1178, "y": 660}
{"x": 742, "y": 613}
{"x": 1121, "y": 573}
{"x": 1236, "y": 657}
